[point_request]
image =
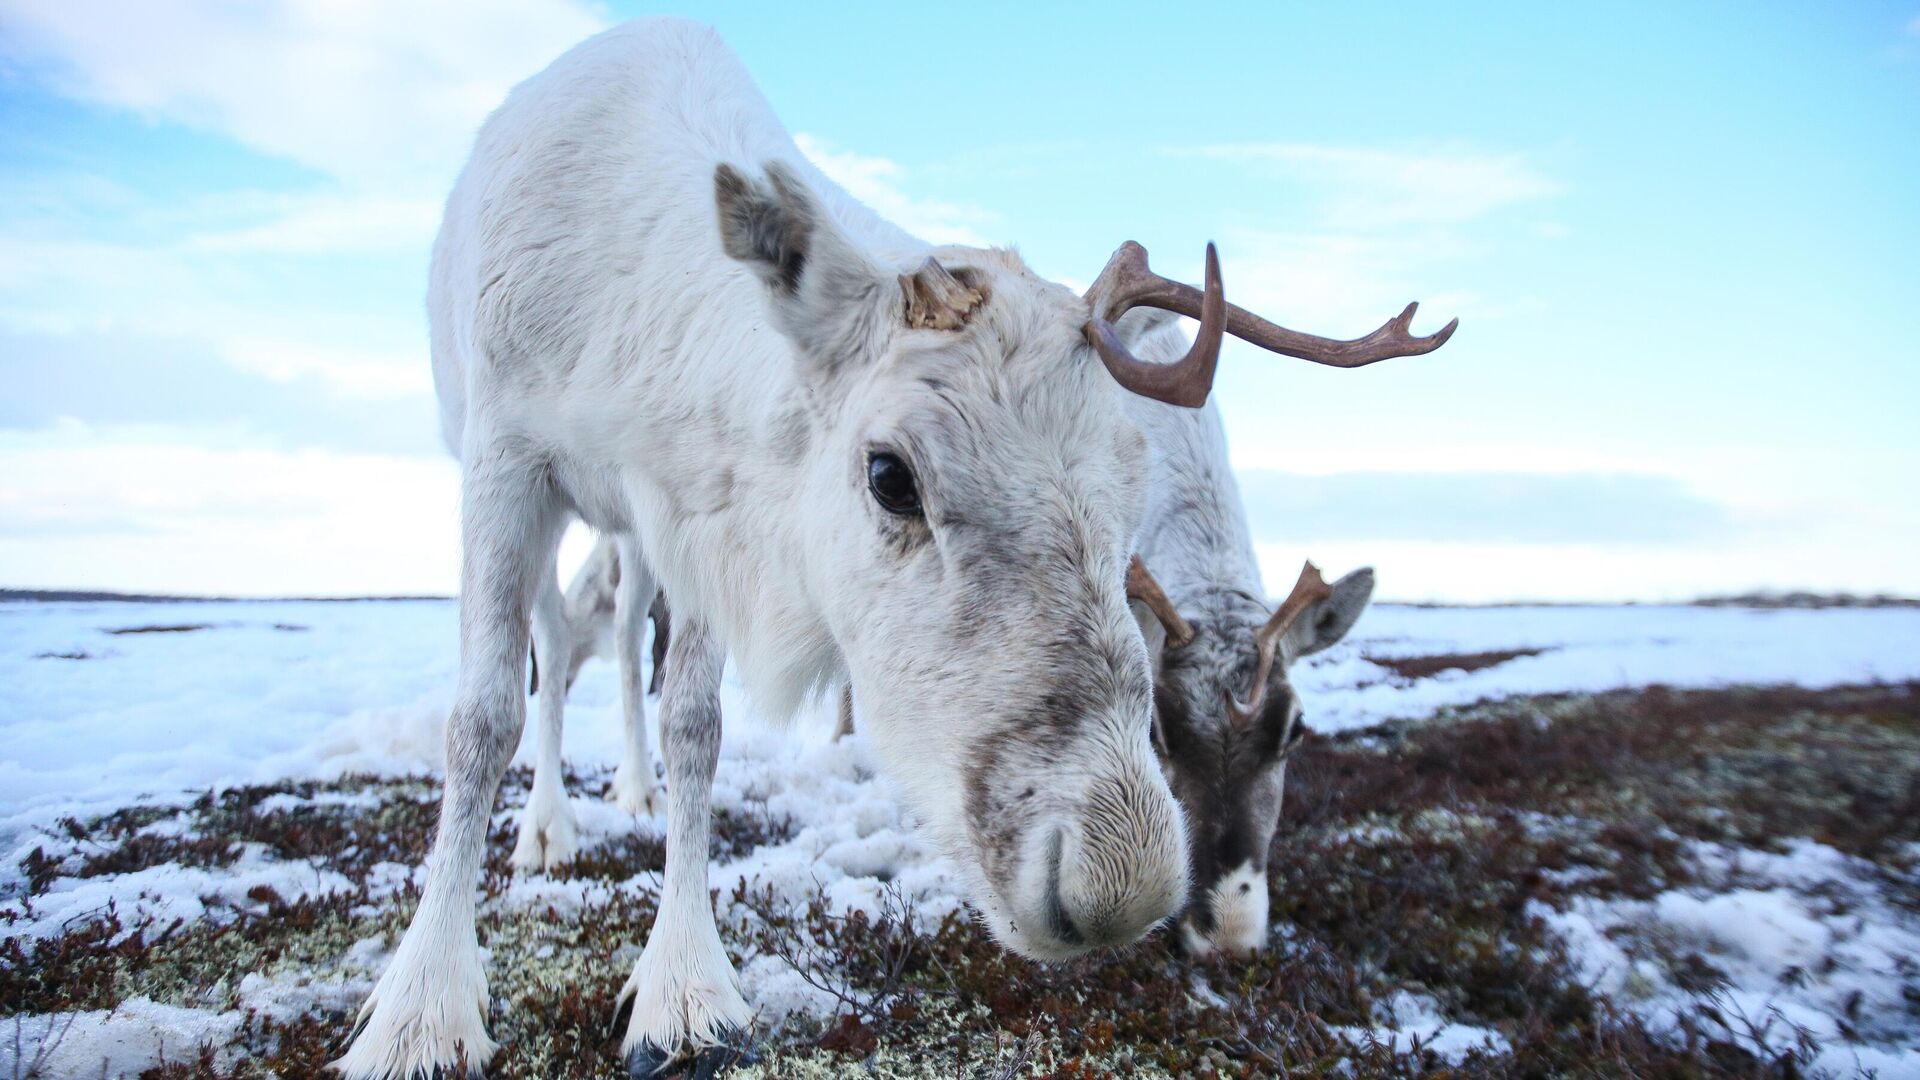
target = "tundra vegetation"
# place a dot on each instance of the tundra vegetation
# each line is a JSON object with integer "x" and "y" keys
{"x": 1415, "y": 860}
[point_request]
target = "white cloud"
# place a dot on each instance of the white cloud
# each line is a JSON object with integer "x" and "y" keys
{"x": 354, "y": 373}
{"x": 1381, "y": 227}
{"x": 357, "y": 89}
{"x": 878, "y": 182}
{"x": 1371, "y": 187}
{"x": 333, "y": 224}
{"x": 263, "y": 323}
{"x": 1339, "y": 284}
{"x": 88, "y": 507}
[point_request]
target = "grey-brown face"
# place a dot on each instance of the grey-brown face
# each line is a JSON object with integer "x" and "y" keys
{"x": 1228, "y": 778}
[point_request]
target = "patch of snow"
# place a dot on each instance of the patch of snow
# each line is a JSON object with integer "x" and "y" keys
{"x": 125, "y": 1041}
{"x": 1591, "y": 649}
{"x": 158, "y": 895}
{"x": 1800, "y": 940}
{"x": 286, "y": 802}
{"x": 1407, "y": 1018}
{"x": 367, "y": 688}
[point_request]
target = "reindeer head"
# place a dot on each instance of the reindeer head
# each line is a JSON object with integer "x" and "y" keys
{"x": 970, "y": 483}
{"x": 1226, "y": 718}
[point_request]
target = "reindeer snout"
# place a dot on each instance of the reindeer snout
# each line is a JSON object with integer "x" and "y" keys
{"x": 1120, "y": 869}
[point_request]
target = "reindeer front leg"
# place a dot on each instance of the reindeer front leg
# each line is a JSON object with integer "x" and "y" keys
{"x": 427, "y": 1014}
{"x": 684, "y": 993}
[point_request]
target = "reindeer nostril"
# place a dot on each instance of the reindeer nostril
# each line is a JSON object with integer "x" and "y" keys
{"x": 1060, "y": 922}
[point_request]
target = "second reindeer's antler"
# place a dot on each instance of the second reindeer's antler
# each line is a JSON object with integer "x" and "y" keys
{"x": 1309, "y": 590}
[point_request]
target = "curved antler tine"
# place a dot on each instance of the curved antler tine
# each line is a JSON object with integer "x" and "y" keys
{"x": 1309, "y": 589}
{"x": 1127, "y": 283}
{"x": 1394, "y": 338}
{"x": 1413, "y": 344}
{"x": 1120, "y": 281}
{"x": 1142, "y": 587}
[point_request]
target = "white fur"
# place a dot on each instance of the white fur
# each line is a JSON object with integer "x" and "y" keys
{"x": 683, "y": 986}
{"x": 634, "y": 788}
{"x": 548, "y": 831}
{"x": 598, "y": 354}
{"x": 446, "y": 995}
{"x": 1239, "y": 905}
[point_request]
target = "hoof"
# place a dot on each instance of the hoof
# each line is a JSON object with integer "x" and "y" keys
{"x": 649, "y": 1062}
{"x": 639, "y": 797}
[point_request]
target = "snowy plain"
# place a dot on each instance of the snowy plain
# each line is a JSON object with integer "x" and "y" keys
{"x": 275, "y": 690}
{"x": 92, "y": 721}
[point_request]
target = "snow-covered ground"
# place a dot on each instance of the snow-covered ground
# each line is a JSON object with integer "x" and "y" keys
{"x": 92, "y": 721}
{"x": 307, "y": 689}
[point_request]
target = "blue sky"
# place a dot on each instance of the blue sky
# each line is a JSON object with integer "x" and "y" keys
{"x": 1683, "y": 241}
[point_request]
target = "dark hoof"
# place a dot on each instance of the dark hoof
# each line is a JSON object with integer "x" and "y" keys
{"x": 649, "y": 1062}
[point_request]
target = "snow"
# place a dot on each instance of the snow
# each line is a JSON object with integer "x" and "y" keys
{"x": 124, "y": 1041}
{"x": 161, "y": 894}
{"x": 1590, "y": 649}
{"x": 1801, "y": 939}
{"x": 313, "y": 690}
{"x": 365, "y": 686}
{"x": 1408, "y": 1018}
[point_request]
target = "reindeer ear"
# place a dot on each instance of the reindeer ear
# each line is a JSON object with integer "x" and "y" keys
{"x": 826, "y": 295}
{"x": 1327, "y": 621}
{"x": 941, "y": 300}
{"x": 770, "y": 228}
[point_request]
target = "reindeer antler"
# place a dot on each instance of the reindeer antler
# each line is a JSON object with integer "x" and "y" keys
{"x": 1128, "y": 283}
{"x": 1310, "y": 589}
{"x": 1142, "y": 587}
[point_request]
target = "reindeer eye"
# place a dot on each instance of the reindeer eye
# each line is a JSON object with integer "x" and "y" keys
{"x": 892, "y": 484}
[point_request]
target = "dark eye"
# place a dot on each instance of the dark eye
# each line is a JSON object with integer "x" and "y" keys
{"x": 892, "y": 484}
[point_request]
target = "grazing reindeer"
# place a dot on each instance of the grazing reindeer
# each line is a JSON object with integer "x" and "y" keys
{"x": 847, "y": 456}
{"x": 1227, "y": 757}
{"x": 1225, "y": 716}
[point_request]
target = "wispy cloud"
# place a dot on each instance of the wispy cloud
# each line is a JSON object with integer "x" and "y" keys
{"x": 262, "y": 315}
{"x": 881, "y": 184}
{"x": 1373, "y": 187}
{"x": 355, "y": 90}
{"x": 1377, "y": 226}
{"x": 157, "y": 515}
{"x": 271, "y": 393}
{"x": 331, "y": 224}
{"x": 1527, "y": 508}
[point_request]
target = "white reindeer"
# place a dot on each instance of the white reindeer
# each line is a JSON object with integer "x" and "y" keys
{"x": 846, "y": 455}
